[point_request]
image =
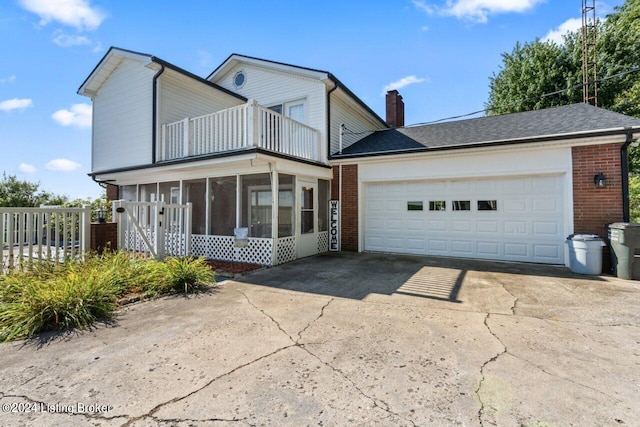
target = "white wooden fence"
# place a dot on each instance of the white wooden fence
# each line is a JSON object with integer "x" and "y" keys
{"x": 53, "y": 234}
{"x": 153, "y": 229}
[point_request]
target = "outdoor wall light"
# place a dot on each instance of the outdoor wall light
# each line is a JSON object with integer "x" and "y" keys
{"x": 102, "y": 215}
{"x": 600, "y": 180}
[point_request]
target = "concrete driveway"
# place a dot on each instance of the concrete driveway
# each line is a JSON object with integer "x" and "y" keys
{"x": 349, "y": 339}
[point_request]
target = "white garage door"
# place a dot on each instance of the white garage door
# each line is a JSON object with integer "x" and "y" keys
{"x": 518, "y": 219}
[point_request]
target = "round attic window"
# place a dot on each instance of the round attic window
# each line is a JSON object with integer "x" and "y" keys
{"x": 239, "y": 79}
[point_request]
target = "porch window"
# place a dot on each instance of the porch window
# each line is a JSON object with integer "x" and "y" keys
{"x": 223, "y": 205}
{"x": 323, "y": 205}
{"x": 195, "y": 192}
{"x": 257, "y": 204}
{"x": 285, "y": 205}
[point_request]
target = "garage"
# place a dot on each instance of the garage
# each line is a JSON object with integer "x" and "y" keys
{"x": 517, "y": 218}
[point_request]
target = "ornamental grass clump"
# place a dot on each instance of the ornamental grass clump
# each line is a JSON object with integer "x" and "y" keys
{"x": 48, "y": 297}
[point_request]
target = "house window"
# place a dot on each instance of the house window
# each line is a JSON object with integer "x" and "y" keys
{"x": 239, "y": 79}
{"x": 415, "y": 206}
{"x": 307, "y": 211}
{"x": 461, "y": 205}
{"x": 170, "y": 192}
{"x": 295, "y": 110}
{"x": 222, "y": 194}
{"x": 487, "y": 205}
{"x": 437, "y": 205}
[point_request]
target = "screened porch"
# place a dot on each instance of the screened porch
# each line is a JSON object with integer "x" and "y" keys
{"x": 285, "y": 216}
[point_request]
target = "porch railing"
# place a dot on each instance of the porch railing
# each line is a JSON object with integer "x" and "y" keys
{"x": 237, "y": 128}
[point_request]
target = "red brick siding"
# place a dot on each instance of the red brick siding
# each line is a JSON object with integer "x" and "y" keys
{"x": 349, "y": 204}
{"x": 104, "y": 235}
{"x": 112, "y": 192}
{"x": 594, "y": 208}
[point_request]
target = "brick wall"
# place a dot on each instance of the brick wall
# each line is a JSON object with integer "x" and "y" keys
{"x": 104, "y": 235}
{"x": 112, "y": 192}
{"x": 349, "y": 204}
{"x": 593, "y": 208}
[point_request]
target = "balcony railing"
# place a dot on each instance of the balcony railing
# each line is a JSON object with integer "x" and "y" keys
{"x": 245, "y": 126}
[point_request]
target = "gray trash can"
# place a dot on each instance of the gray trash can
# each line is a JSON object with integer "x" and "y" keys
{"x": 625, "y": 240}
{"x": 585, "y": 253}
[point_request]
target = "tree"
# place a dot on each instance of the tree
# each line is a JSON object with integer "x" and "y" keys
{"x": 18, "y": 193}
{"x": 536, "y": 69}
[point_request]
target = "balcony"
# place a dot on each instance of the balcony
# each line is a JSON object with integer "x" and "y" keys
{"x": 242, "y": 127}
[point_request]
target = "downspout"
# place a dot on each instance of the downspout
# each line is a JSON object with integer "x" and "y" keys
{"x": 335, "y": 86}
{"x": 154, "y": 119}
{"x": 624, "y": 162}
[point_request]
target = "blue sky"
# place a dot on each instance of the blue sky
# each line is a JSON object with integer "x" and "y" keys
{"x": 439, "y": 53}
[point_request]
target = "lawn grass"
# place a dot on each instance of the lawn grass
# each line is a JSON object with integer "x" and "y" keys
{"x": 75, "y": 295}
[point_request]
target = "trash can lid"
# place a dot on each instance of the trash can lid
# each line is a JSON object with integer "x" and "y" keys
{"x": 584, "y": 237}
{"x": 623, "y": 225}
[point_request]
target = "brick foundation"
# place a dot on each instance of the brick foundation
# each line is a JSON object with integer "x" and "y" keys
{"x": 595, "y": 208}
{"x": 104, "y": 235}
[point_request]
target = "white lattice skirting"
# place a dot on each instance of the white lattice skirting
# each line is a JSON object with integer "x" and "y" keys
{"x": 286, "y": 248}
{"x": 323, "y": 242}
{"x": 259, "y": 251}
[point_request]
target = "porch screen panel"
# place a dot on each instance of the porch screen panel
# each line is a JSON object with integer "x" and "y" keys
{"x": 129, "y": 193}
{"x": 257, "y": 204}
{"x": 323, "y": 205}
{"x": 148, "y": 193}
{"x": 195, "y": 192}
{"x": 170, "y": 191}
{"x": 286, "y": 213}
{"x": 223, "y": 205}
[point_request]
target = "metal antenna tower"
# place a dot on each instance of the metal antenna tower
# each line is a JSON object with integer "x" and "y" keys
{"x": 589, "y": 53}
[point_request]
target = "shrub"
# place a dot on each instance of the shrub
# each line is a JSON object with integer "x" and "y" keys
{"x": 189, "y": 273}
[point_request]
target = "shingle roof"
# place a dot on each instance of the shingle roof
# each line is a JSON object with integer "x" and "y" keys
{"x": 575, "y": 119}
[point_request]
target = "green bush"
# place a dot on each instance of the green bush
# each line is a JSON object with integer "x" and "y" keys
{"x": 189, "y": 274}
{"x": 75, "y": 295}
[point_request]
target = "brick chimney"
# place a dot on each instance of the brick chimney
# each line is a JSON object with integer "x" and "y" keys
{"x": 395, "y": 109}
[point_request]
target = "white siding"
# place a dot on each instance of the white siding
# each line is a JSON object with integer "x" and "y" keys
{"x": 270, "y": 87}
{"x": 122, "y": 125}
{"x": 181, "y": 97}
{"x": 345, "y": 110}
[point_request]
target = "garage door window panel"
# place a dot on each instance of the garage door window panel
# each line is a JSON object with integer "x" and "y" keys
{"x": 437, "y": 205}
{"x": 487, "y": 205}
{"x": 461, "y": 205}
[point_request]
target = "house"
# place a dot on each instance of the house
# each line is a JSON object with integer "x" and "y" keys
{"x": 265, "y": 145}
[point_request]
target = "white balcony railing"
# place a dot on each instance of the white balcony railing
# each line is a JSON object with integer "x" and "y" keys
{"x": 245, "y": 126}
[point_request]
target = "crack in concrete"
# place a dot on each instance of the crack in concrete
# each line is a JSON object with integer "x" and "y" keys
{"x": 481, "y": 411}
{"x": 314, "y": 320}
{"x": 378, "y": 403}
{"x": 154, "y": 410}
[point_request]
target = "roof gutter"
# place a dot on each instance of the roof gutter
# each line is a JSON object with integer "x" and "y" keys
{"x": 154, "y": 119}
{"x": 624, "y": 162}
{"x": 335, "y": 86}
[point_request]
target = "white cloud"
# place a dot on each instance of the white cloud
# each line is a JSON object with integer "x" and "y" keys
{"x": 74, "y": 13}
{"x": 79, "y": 115}
{"x": 477, "y": 10}
{"x": 556, "y": 34}
{"x": 62, "y": 165}
{"x": 65, "y": 40}
{"x": 10, "y": 79}
{"x": 27, "y": 168}
{"x": 15, "y": 104}
{"x": 405, "y": 81}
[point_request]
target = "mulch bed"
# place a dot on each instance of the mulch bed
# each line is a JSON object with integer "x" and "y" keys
{"x": 232, "y": 268}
